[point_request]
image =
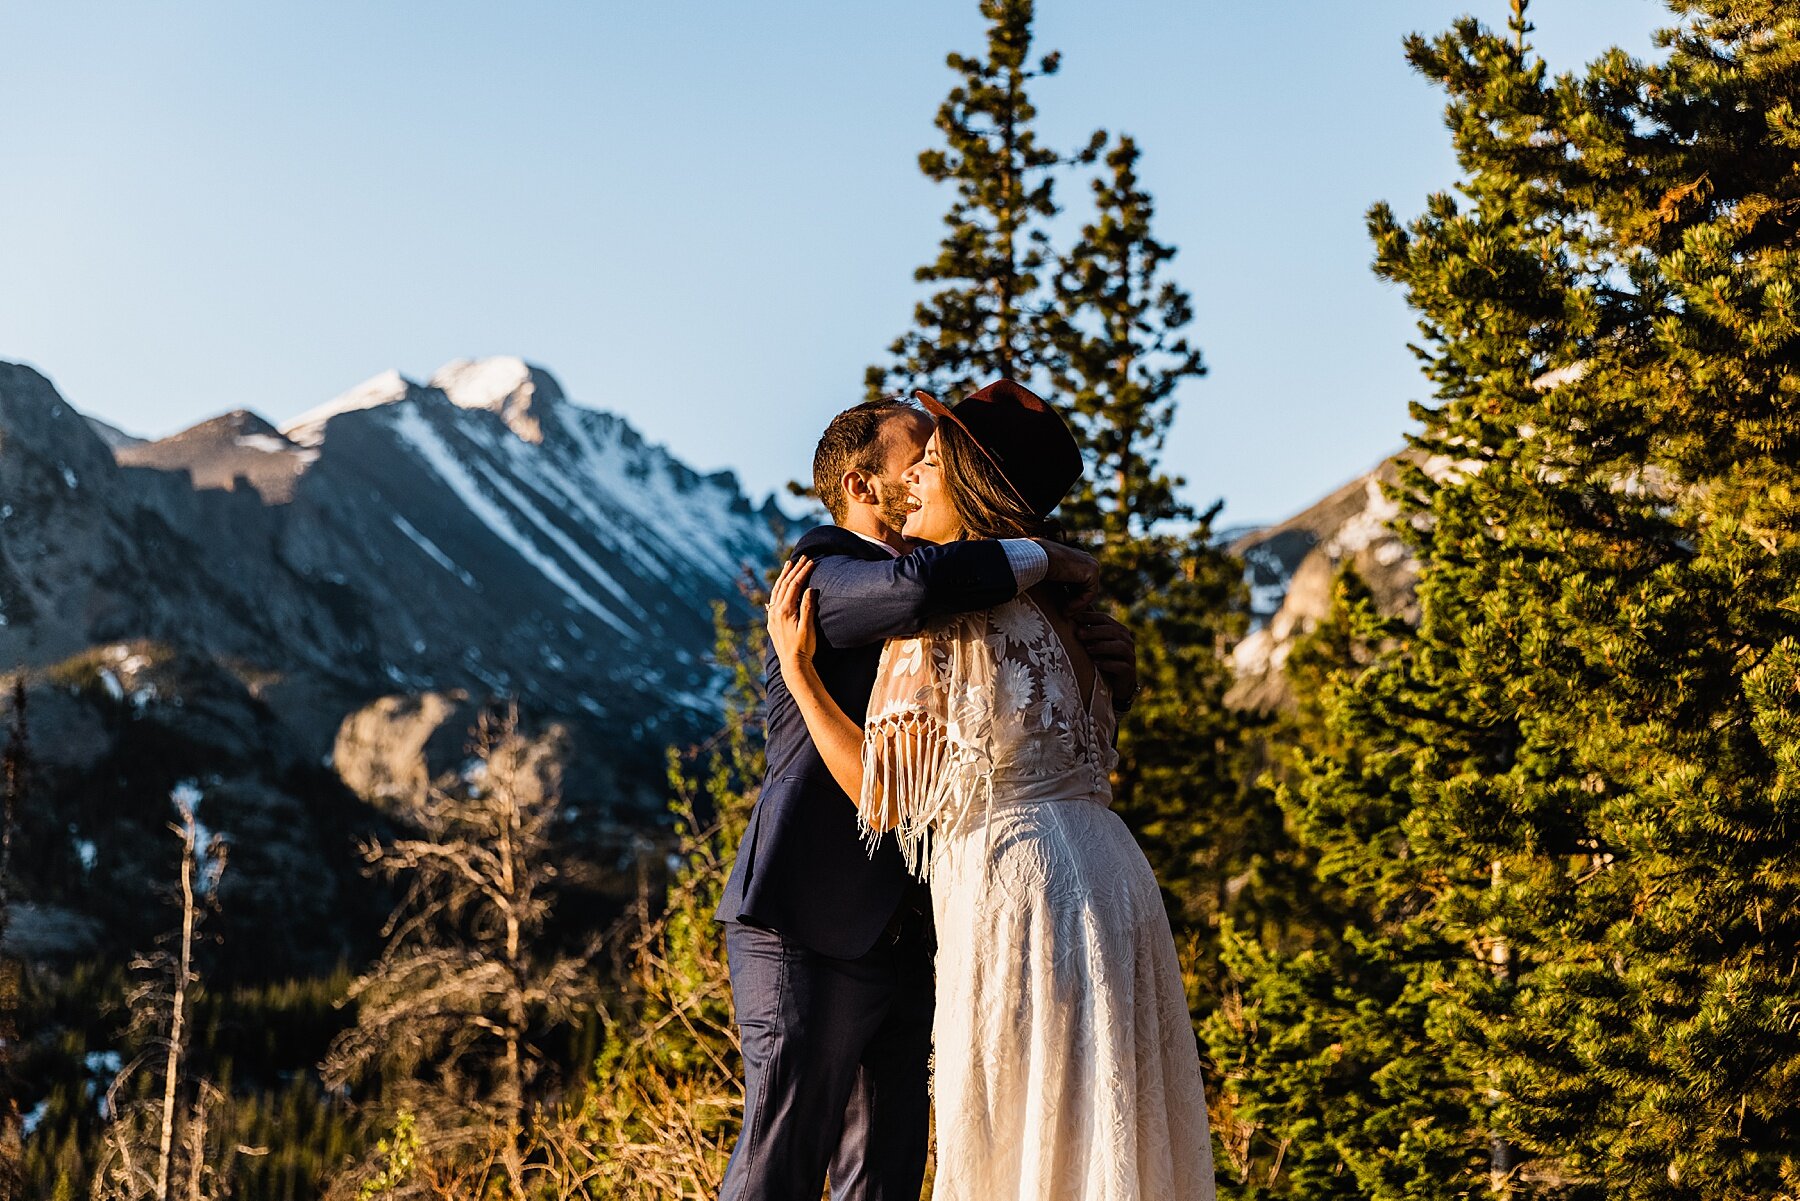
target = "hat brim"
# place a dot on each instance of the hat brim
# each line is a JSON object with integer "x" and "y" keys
{"x": 934, "y": 406}
{"x": 943, "y": 412}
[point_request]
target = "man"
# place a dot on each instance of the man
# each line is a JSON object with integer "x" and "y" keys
{"x": 830, "y": 947}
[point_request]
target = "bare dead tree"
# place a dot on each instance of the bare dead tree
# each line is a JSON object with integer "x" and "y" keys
{"x": 658, "y": 1122}
{"x": 451, "y": 1015}
{"x": 14, "y": 768}
{"x": 14, "y": 765}
{"x": 160, "y": 1148}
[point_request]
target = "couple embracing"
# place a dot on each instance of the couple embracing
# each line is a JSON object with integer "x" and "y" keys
{"x": 941, "y": 713}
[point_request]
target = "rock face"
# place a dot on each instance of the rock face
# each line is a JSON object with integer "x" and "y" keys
{"x": 297, "y": 626}
{"x": 236, "y": 451}
{"x": 478, "y": 533}
{"x": 391, "y": 750}
{"x": 1290, "y": 567}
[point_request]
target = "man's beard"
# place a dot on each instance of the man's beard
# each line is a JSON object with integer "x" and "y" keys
{"x": 894, "y": 508}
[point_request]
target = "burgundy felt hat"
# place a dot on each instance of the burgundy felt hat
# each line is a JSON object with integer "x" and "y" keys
{"x": 1022, "y": 436}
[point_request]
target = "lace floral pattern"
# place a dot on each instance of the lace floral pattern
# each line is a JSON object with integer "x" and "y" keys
{"x": 1065, "y": 1062}
{"x": 984, "y": 706}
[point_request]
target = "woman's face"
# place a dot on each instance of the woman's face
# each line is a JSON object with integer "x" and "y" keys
{"x": 932, "y": 518}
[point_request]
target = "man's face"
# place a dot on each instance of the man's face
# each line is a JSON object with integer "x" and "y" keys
{"x": 903, "y": 439}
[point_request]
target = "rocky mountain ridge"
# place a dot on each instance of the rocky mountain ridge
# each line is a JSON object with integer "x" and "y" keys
{"x": 1289, "y": 568}
{"x": 479, "y": 531}
{"x": 238, "y": 607}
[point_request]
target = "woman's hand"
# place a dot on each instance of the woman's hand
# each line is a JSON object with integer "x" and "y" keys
{"x": 792, "y": 609}
{"x": 794, "y": 634}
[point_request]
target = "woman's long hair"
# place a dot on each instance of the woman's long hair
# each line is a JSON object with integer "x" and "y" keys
{"x": 985, "y": 503}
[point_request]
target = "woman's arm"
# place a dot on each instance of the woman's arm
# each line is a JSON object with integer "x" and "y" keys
{"x": 793, "y": 631}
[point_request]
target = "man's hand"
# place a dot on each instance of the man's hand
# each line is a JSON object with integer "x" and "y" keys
{"x": 1113, "y": 650}
{"x": 1076, "y": 569}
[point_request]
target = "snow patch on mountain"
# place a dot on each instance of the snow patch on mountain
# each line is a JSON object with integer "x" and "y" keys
{"x": 1368, "y": 526}
{"x": 511, "y": 387}
{"x": 493, "y": 383}
{"x": 308, "y": 429}
{"x": 563, "y": 542}
{"x": 1290, "y": 569}
{"x": 659, "y": 492}
{"x": 437, "y": 556}
{"x": 416, "y": 431}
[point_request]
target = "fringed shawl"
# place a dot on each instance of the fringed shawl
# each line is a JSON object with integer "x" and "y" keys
{"x": 926, "y": 744}
{"x": 977, "y": 695}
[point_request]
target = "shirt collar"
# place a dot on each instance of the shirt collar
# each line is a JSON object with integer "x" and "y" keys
{"x": 891, "y": 552}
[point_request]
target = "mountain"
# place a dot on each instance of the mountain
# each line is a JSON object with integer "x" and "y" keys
{"x": 241, "y": 604}
{"x": 477, "y": 532}
{"x": 1290, "y": 566}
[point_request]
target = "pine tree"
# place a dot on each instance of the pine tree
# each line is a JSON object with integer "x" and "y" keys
{"x": 983, "y": 320}
{"x": 1118, "y": 355}
{"x": 1332, "y": 1083}
{"x": 1624, "y": 368}
{"x": 1588, "y": 747}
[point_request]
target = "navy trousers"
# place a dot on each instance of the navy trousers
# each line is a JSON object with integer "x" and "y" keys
{"x": 836, "y": 1076}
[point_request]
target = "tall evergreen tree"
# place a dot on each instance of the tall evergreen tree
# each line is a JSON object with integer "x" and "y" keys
{"x": 1118, "y": 354}
{"x": 1592, "y": 732}
{"x": 1116, "y": 328}
{"x": 984, "y": 319}
{"x": 1331, "y": 1082}
{"x": 1103, "y": 327}
{"x": 1625, "y": 364}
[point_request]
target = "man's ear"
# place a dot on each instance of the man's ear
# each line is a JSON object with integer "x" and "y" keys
{"x": 860, "y": 487}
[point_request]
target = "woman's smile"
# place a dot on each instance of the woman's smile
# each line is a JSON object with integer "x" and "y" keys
{"x": 930, "y": 517}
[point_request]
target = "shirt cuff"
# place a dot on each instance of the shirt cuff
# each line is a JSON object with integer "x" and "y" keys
{"x": 1030, "y": 562}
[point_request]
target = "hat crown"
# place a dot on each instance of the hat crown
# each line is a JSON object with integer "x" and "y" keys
{"x": 1022, "y": 435}
{"x": 1008, "y": 391}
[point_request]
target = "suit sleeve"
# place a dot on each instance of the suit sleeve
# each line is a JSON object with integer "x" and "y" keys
{"x": 863, "y": 601}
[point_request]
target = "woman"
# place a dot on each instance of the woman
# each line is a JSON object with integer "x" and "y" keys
{"x": 1065, "y": 1066}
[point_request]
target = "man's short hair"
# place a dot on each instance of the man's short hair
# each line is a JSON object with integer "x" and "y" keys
{"x": 852, "y": 442}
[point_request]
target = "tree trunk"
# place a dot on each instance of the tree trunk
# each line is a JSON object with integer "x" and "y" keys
{"x": 177, "y": 1003}
{"x": 1503, "y": 1156}
{"x": 1010, "y": 185}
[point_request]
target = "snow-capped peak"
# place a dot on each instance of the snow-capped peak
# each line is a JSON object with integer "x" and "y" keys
{"x": 505, "y": 385}
{"x": 308, "y": 429}
{"x": 492, "y": 383}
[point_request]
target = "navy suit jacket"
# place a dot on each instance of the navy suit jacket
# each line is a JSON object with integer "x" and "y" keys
{"x": 801, "y": 868}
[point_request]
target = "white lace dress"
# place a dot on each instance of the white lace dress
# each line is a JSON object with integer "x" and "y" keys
{"x": 1065, "y": 1065}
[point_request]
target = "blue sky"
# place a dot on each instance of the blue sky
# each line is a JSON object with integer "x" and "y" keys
{"x": 703, "y": 216}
